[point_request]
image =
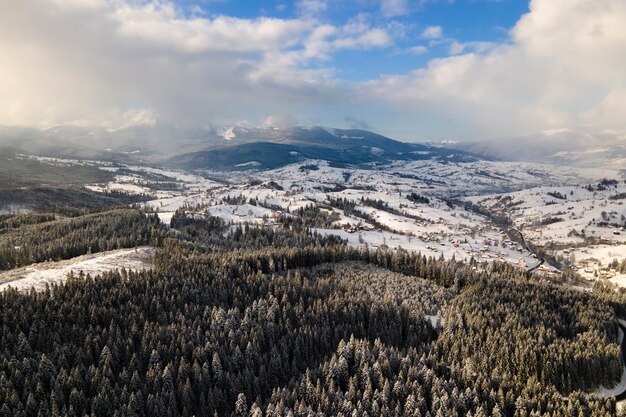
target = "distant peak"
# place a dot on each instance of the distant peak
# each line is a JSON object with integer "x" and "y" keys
{"x": 136, "y": 118}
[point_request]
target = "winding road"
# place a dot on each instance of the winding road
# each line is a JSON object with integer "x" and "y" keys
{"x": 622, "y": 395}
{"x": 541, "y": 260}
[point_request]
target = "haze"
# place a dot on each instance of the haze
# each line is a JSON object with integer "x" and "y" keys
{"x": 412, "y": 70}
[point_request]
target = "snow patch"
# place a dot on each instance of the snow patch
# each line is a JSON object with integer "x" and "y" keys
{"x": 38, "y": 275}
{"x": 249, "y": 164}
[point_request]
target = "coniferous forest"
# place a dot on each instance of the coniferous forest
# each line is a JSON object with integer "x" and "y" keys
{"x": 259, "y": 321}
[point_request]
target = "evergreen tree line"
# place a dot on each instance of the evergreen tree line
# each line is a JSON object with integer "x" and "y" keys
{"x": 238, "y": 321}
{"x": 160, "y": 343}
{"x": 70, "y": 237}
{"x": 199, "y": 233}
{"x": 562, "y": 337}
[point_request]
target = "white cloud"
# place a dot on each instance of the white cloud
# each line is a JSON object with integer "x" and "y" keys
{"x": 160, "y": 26}
{"x": 312, "y": 6}
{"x": 280, "y": 121}
{"x": 71, "y": 61}
{"x": 563, "y": 66}
{"x": 115, "y": 62}
{"x": 391, "y": 8}
{"x": 432, "y": 32}
{"x": 457, "y": 48}
{"x": 418, "y": 50}
{"x": 370, "y": 38}
{"x": 325, "y": 39}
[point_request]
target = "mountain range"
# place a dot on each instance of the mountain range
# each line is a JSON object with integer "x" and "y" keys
{"x": 240, "y": 147}
{"x": 233, "y": 148}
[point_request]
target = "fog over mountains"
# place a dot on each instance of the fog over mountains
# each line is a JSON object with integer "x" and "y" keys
{"x": 221, "y": 148}
{"x": 585, "y": 147}
{"x": 244, "y": 147}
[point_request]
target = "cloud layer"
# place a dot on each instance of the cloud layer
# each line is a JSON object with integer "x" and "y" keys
{"x": 114, "y": 62}
{"x": 101, "y": 61}
{"x": 562, "y": 67}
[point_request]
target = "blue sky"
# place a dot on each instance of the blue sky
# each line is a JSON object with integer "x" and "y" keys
{"x": 415, "y": 70}
{"x": 461, "y": 21}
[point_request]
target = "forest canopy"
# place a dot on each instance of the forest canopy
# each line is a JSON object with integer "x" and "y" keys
{"x": 259, "y": 321}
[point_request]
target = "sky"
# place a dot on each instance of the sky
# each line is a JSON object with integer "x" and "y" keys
{"x": 414, "y": 70}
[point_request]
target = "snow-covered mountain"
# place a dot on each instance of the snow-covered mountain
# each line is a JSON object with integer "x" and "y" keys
{"x": 234, "y": 147}
{"x": 272, "y": 148}
{"x": 315, "y": 136}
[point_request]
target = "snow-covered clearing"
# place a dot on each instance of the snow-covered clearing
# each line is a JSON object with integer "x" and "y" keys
{"x": 165, "y": 217}
{"x": 38, "y": 275}
{"x": 594, "y": 262}
{"x": 123, "y": 187}
{"x": 619, "y": 280}
{"x": 243, "y": 213}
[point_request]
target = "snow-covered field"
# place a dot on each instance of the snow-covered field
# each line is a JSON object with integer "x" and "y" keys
{"x": 436, "y": 228}
{"x": 38, "y": 275}
{"x": 548, "y": 203}
{"x": 580, "y": 225}
{"x": 575, "y": 214}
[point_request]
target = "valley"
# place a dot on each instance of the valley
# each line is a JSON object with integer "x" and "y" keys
{"x": 311, "y": 208}
{"x": 466, "y": 211}
{"x": 418, "y": 262}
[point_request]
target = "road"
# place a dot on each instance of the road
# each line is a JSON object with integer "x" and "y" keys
{"x": 525, "y": 245}
{"x": 622, "y": 395}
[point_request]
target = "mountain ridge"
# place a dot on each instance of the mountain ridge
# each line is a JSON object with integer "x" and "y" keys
{"x": 270, "y": 148}
{"x": 184, "y": 147}
{"x": 235, "y": 147}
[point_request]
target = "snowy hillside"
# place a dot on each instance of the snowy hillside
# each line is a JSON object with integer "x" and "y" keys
{"x": 583, "y": 226}
{"x": 439, "y": 208}
{"x": 415, "y": 205}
